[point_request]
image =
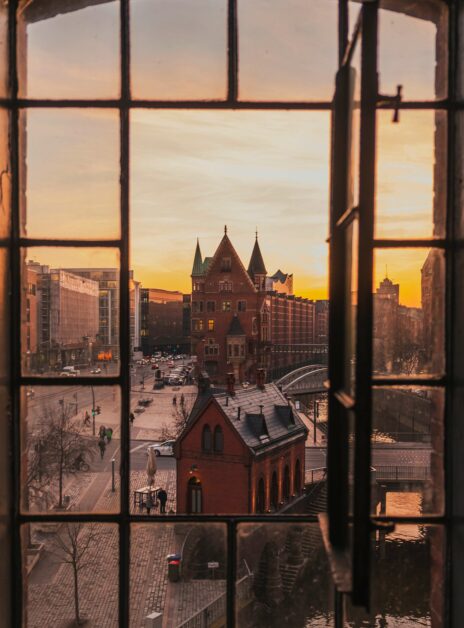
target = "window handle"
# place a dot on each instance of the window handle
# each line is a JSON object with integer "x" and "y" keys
{"x": 396, "y": 100}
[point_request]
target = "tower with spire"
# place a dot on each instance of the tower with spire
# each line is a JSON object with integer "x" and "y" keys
{"x": 256, "y": 267}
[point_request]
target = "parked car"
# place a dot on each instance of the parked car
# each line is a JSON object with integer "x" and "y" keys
{"x": 96, "y": 371}
{"x": 162, "y": 449}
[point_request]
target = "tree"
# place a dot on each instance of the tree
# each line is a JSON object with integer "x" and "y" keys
{"x": 55, "y": 449}
{"x": 75, "y": 544}
{"x": 180, "y": 414}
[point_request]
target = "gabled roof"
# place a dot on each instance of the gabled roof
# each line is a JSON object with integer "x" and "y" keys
{"x": 235, "y": 327}
{"x": 256, "y": 265}
{"x": 265, "y": 420}
{"x": 226, "y": 249}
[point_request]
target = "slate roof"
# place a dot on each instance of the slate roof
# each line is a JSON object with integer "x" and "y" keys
{"x": 261, "y": 427}
{"x": 256, "y": 265}
{"x": 197, "y": 268}
{"x": 235, "y": 328}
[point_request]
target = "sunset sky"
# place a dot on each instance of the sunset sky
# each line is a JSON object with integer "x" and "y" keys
{"x": 194, "y": 171}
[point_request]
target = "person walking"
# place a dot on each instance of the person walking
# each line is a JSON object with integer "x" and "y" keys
{"x": 149, "y": 503}
{"x": 109, "y": 434}
{"x": 163, "y": 498}
{"x": 174, "y": 401}
{"x": 102, "y": 447}
{"x": 87, "y": 419}
{"x": 102, "y": 432}
{"x": 132, "y": 418}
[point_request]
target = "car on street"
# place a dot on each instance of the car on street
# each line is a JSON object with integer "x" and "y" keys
{"x": 68, "y": 374}
{"x": 162, "y": 449}
{"x": 96, "y": 371}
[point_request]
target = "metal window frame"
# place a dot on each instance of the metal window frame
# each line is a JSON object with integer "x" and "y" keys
{"x": 16, "y": 242}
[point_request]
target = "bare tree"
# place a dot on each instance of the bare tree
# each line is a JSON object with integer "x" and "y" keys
{"x": 180, "y": 414}
{"x": 55, "y": 450}
{"x": 75, "y": 544}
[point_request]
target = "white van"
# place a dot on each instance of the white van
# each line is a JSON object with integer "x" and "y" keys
{"x": 71, "y": 370}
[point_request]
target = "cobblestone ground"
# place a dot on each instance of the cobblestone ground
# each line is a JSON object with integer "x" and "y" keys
{"x": 50, "y": 604}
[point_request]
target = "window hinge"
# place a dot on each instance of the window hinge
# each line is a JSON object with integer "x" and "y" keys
{"x": 395, "y": 100}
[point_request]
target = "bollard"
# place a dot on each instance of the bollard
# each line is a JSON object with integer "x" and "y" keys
{"x": 113, "y": 487}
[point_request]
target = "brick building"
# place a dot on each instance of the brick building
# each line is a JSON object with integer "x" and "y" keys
{"x": 243, "y": 319}
{"x": 241, "y": 452}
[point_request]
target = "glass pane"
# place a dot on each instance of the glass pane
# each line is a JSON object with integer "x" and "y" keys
{"x": 413, "y": 51}
{"x": 408, "y": 334}
{"x": 68, "y": 53}
{"x": 407, "y": 451}
{"x": 179, "y": 49}
{"x": 283, "y": 576}
{"x": 4, "y": 88}
{"x": 178, "y": 575}
{"x": 407, "y": 582}
{"x": 71, "y": 574}
{"x": 411, "y": 174}
{"x": 287, "y": 50}
{"x": 74, "y": 192}
{"x": 70, "y": 312}
{"x": 162, "y": 397}
{"x": 70, "y": 436}
{"x": 5, "y": 174}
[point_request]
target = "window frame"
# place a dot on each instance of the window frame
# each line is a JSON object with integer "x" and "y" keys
{"x": 15, "y": 243}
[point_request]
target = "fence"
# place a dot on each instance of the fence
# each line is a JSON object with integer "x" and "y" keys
{"x": 399, "y": 473}
{"x": 216, "y": 609}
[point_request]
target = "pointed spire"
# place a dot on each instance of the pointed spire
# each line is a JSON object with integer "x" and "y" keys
{"x": 225, "y": 229}
{"x": 197, "y": 261}
{"x": 256, "y": 265}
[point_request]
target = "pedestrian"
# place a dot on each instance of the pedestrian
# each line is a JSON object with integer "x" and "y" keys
{"x": 102, "y": 447}
{"x": 109, "y": 434}
{"x": 149, "y": 503}
{"x": 132, "y": 418}
{"x": 87, "y": 418}
{"x": 163, "y": 498}
{"x": 174, "y": 401}
{"x": 102, "y": 432}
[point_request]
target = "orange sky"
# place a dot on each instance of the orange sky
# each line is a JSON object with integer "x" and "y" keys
{"x": 194, "y": 171}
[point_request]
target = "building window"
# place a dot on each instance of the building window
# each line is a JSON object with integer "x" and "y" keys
{"x": 226, "y": 306}
{"x": 211, "y": 324}
{"x": 274, "y": 492}
{"x": 241, "y": 306}
{"x": 226, "y": 265}
{"x": 210, "y": 306}
{"x": 225, "y": 286}
{"x": 206, "y": 439}
{"x": 261, "y": 497}
{"x": 197, "y": 324}
{"x": 197, "y": 306}
{"x": 297, "y": 478}
{"x": 218, "y": 439}
{"x": 286, "y": 486}
{"x": 195, "y": 496}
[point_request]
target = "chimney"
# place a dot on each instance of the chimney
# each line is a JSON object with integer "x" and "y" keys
{"x": 260, "y": 377}
{"x": 230, "y": 384}
{"x": 239, "y": 410}
{"x": 203, "y": 382}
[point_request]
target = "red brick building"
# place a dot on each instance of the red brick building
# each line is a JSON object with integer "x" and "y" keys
{"x": 243, "y": 320}
{"x": 240, "y": 453}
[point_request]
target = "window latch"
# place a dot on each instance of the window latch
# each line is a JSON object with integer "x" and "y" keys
{"x": 395, "y": 100}
{"x": 383, "y": 526}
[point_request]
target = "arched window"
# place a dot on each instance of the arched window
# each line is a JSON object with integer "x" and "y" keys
{"x": 218, "y": 439}
{"x": 206, "y": 443}
{"x": 274, "y": 492}
{"x": 260, "y": 497}
{"x": 195, "y": 496}
{"x": 297, "y": 478}
{"x": 286, "y": 487}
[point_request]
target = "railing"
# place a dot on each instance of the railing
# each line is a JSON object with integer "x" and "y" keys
{"x": 401, "y": 472}
{"x": 312, "y": 476}
{"x": 216, "y": 609}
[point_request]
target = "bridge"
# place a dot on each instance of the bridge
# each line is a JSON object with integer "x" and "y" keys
{"x": 307, "y": 379}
